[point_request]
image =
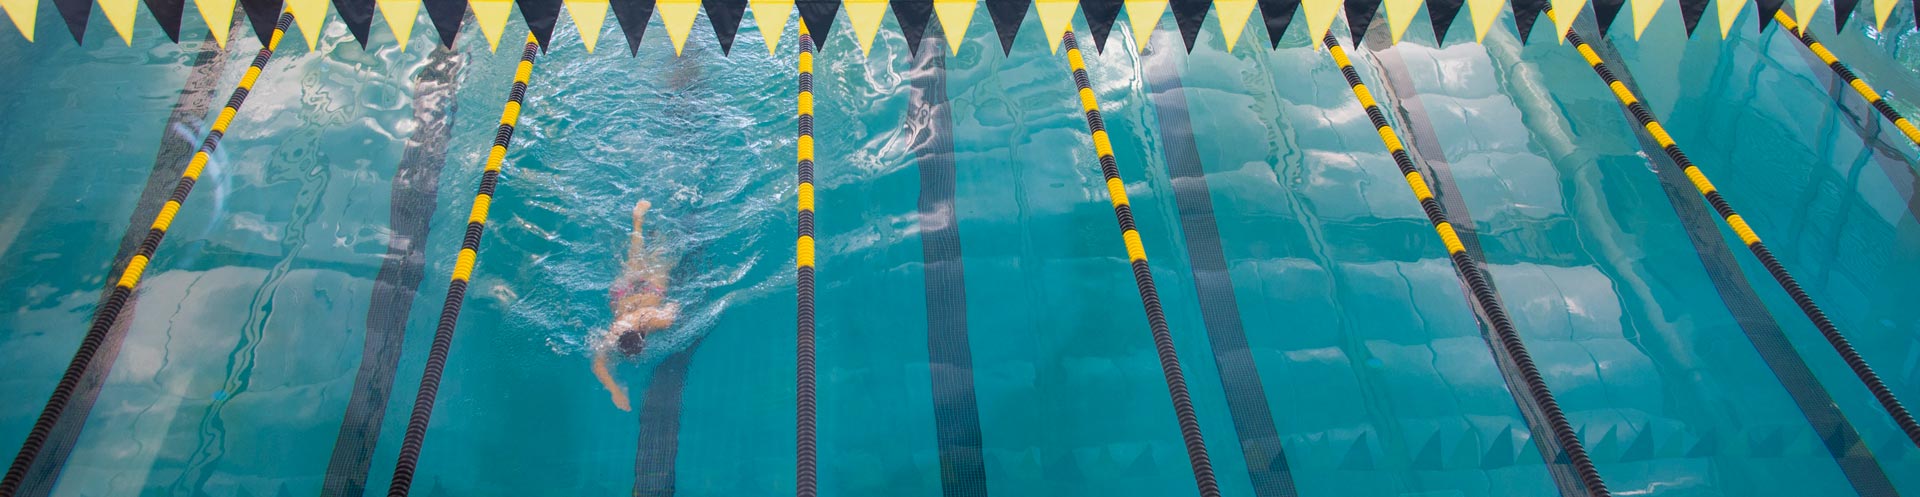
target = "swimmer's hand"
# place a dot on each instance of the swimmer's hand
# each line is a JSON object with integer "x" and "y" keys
{"x": 606, "y": 379}
{"x": 620, "y": 399}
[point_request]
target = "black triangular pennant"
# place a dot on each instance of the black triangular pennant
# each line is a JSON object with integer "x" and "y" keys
{"x": 1525, "y": 12}
{"x": 167, "y": 13}
{"x": 725, "y": 15}
{"x": 1767, "y": 9}
{"x": 1007, "y": 16}
{"x": 446, "y": 16}
{"x": 1442, "y": 12}
{"x": 1359, "y": 16}
{"x": 633, "y": 16}
{"x": 818, "y": 14}
{"x": 1100, "y": 16}
{"x": 1189, "y": 15}
{"x": 1843, "y": 9}
{"x": 358, "y": 14}
{"x": 264, "y": 14}
{"x": 1278, "y": 15}
{"x": 913, "y": 16}
{"x": 1604, "y": 12}
{"x": 1690, "y": 12}
{"x": 541, "y": 15}
{"x": 75, "y": 12}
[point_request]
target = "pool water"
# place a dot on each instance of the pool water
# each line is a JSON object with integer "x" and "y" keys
{"x": 979, "y": 331}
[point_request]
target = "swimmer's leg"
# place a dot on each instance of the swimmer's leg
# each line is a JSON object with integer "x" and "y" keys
{"x": 636, "y": 244}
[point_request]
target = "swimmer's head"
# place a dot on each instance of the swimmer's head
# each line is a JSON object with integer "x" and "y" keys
{"x": 631, "y": 343}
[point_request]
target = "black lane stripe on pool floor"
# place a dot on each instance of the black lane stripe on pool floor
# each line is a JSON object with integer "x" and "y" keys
{"x": 414, "y": 194}
{"x": 654, "y": 472}
{"x": 656, "y": 455}
{"x": 956, "y": 410}
{"x": 1836, "y": 433}
{"x": 1253, "y": 421}
{"x": 1400, "y": 95}
{"x": 177, "y": 142}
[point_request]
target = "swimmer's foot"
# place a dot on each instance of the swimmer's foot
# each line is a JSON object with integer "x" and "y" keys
{"x": 640, "y": 211}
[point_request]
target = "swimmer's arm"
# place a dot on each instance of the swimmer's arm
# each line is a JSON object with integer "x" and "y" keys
{"x": 606, "y": 379}
{"x": 661, "y": 318}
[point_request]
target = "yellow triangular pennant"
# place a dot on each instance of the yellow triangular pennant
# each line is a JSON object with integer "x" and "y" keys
{"x": 1144, "y": 16}
{"x": 219, "y": 16}
{"x": 311, "y": 16}
{"x": 22, "y": 12}
{"x": 1565, "y": 12}
{"x": 1643, "y": 11}
{"x": 492, "y": 16}
{"x": 866, "y": 16}
{"x": 771, "y": 16}
{"x": 1484, "y": 13}
{"x": 400, "y": 16}
{"x": 955, "y": 16}
{"x": 120, "y": 15}
{"x": 1320, "y": 14}
{"x": 1233, "y": 18}
{"x": 1730, "y": 11}
{"x": 1803, "y": 12}
{"x": 1056, "y": 19}
{"x": 1400, "y": 14}
{"x": 590, "y": 16}
{"x": 1881, "y": 9}
{"x": 677, "y": 16}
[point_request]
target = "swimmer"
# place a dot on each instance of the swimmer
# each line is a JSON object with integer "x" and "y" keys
{"x": 640, "y": 307}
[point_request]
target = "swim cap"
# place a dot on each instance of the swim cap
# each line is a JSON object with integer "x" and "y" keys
{"x": 631, "y": 343}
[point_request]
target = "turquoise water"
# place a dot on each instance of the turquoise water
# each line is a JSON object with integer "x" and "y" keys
{"x": 242, "y": 354}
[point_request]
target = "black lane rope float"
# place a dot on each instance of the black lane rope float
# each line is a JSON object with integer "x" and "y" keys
{"x": 1779, "y": 272}
{"x": 416, "y": 437}
{"x": 1469, "y": 270}
{"x": 1143, "y": 278}
{"x": 807, "y": 462}
{"x": 1859, "y": 86}
{"x": 105, "y": 317}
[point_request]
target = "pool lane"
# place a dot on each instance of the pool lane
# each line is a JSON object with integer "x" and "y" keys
{"x": 1578, "y": 223}
{"x": 1379, "y": 379}
{"x": 877, "y": 420}
{"x": 1072, "y": 399}
{"x": 413, "y": 199}
{"x": 195, "y": 99}
{"x": 1772, "y": 139}
{"x": 267, "y": 197}
{"x": 1253, "y": 420}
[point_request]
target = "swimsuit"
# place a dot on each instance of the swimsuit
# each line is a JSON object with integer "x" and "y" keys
{"x": 636, "y": 286}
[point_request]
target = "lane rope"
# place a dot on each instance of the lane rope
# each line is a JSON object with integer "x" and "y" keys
{"x": 1469, "y": 270}
{"x": 1143, "y": 278}
{"x": 416, "y": 437}
{"x": 108, "y": 315}
{"x": 806, "y": 472}
{"x": 1839, "y": 342}
{"x": 1853, "y": 81}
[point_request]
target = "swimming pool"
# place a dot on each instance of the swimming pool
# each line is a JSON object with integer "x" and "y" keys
{"x": 979, "y": 332}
